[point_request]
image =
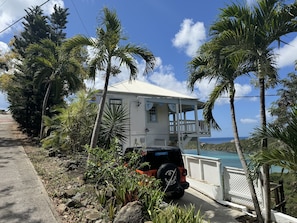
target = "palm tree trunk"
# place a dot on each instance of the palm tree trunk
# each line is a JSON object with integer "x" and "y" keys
{"x": 97, "y": 125}
{"x": 265, "y": 168}
{"x": 44, "y": 103}
{"x": 243, "y": 161}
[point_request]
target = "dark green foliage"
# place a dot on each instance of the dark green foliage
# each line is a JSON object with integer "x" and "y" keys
{"x": 287, "y": 100}
{"x": 117, "y": 182}
{"x": 290, "y": 185}
{"x": 114, "y": 125}
{"x": 36, "y": 28}
{"x": 25, "y": 102}
{"x": 284, "y": 155}
{"x": 70, "y": 130}
{"x": 58, "y": 20}
{"x": 26, "y": 95}
{"x": 176, "y": 214}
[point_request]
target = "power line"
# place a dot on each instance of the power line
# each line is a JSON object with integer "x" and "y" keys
{"x": 20, "y": 19}
{"x": 252, "y": 96}
{"x": 80, "y": 18}
{"x": 3, "y": 3}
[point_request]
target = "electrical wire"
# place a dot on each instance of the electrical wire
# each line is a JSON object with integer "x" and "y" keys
{"x": 252, "y": 96}
{"x": 77, "y": 12}
{"x": 3, "y": 3}
{"x": 20, "y": 18}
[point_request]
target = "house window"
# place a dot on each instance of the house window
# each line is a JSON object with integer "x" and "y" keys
{"x": 153, "y": 114}
{"x": 115, "y": 102}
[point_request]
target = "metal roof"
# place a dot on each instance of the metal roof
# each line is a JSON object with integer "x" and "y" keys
{"x": 144, "y": 88}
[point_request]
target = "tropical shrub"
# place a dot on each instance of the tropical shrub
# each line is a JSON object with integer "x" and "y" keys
{"x": 70, "y": 130}
{"x": 175, "y": 214}
{"x": 118, "y": 183}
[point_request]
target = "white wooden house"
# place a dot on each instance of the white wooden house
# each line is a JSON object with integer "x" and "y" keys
{"x": 158, "y": 116}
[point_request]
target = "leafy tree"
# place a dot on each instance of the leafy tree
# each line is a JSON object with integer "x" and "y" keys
{"x": 253, "y": 30}
{"x": 211, "y": 64}
{"x": 26, "y": 96}
{"x": 58, "y": 21}
{"x": 108, "y": 49}
{"x": 56, "y": 70}
{"x": 6, "y": 65}
{"x": 71, "y": 128}
{"x": 281, "y": 109}
{"x": 5, "y": 82}
{"x": 284, "y": 156}
{"x": 36, "y": 28}
{"x": 23, "y": 98}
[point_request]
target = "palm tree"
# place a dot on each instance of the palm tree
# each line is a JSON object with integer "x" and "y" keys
{"x": 284, "y": 156}
{"x": 253, "y": 30}
{"x": 224, "y": 70}
{"x": 54, "y": 70}
{"x": 107, "y": 51}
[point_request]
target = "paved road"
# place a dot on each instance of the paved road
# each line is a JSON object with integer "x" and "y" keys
{"x": 211, "y": 210}
{"x": 23, "y": 197}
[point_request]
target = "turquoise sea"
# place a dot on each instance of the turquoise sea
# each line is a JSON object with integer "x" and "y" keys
{"x": 227, "y": 158}
{"x": 218, "y": 140}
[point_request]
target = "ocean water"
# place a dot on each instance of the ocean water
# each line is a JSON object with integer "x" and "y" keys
{"x": 227, "y": 158}
{"x": 218, "y": 140}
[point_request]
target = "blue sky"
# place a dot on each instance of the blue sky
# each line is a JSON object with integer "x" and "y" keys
{"x": 173, "y": 31}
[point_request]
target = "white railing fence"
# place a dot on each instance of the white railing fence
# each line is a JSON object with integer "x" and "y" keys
{"x": 189, "y": 126}
{"x": 226, "y": 185}
{"x": 236, "y": 188}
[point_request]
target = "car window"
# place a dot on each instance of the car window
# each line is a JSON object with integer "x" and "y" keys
{"x": 157, "y": 158}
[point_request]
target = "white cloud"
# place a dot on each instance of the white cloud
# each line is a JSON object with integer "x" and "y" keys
{"x": 205, "y": 87}
{"x": 3, "y": 48}
{"x": 190, "y": 36}
{"x": 242, "y": 90}
{"x": 251, "y": 2}
{"x": 248, "y": 121}
{"x": 12, "y": 10}
{"x": 286, "y": 56}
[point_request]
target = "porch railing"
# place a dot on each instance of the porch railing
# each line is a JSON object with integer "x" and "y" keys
{"x": 188, "y": 127}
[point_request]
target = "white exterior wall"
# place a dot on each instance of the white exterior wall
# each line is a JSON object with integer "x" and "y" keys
{"x": 140, "y": 131}
{"x": 158, "y": 133}
{"x": 137, "y": 122}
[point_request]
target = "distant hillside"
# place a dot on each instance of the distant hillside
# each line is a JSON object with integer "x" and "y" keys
{"x": 247, "y": 144}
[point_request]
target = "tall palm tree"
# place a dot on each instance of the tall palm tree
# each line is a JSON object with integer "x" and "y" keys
{"x": 54, "y": 70}
{"x": 108, "y": 51}
{"x": 254, "y": 30}
{"x": 224, "y": 70}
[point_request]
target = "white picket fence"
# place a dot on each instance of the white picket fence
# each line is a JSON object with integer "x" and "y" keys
{"x": 226, "y": 185}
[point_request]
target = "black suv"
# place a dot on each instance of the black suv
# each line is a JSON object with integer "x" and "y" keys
{"x": 166, "y": 164}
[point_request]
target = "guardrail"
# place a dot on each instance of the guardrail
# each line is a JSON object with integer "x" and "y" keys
{"x": 226, "y": 185}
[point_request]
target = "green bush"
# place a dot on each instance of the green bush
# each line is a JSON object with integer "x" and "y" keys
{"x": 116, "y": 179}
{"x": 290, "y": 185}
{"x": 175, "y": 214}
{"x": 71, "y": 129}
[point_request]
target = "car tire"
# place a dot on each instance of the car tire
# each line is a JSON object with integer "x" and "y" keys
{"x": 165, "y": 173}
{"x": 178, "y": 194}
